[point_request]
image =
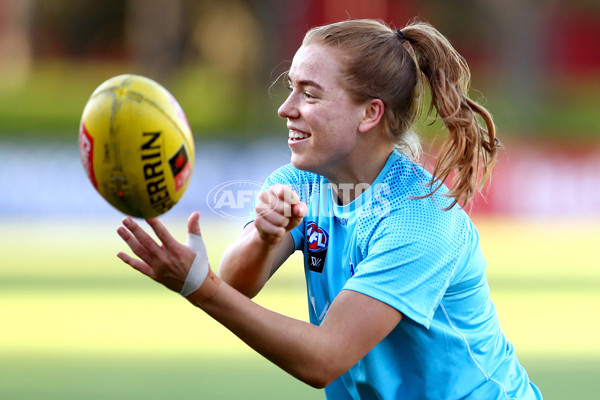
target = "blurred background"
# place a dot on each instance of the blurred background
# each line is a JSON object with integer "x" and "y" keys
{"x": 535, "y": 66}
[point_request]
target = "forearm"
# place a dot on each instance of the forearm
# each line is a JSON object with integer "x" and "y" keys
{"x": 247, "y": 263}
{"x": 299, "y": 348}
{"x": 265, "y": 243}
{"x": 313, "y": 354}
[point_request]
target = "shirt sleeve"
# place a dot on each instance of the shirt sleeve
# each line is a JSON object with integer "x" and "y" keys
{"x": 409, "y": 260}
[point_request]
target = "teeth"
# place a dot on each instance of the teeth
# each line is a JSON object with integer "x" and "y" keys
{"x": 298, "y": 135}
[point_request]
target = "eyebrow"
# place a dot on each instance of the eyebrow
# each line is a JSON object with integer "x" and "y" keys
{"x": 307, "y": 82}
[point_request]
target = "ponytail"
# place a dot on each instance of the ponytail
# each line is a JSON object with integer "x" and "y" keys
{"x": 393, "y": 65}
{"x": 470, "y": 149}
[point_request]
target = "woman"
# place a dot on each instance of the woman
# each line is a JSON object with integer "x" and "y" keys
{"x": 398, "y": 299}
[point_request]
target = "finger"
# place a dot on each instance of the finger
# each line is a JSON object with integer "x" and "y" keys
{"x": 142, "y": 237}
{"x": 286, "y": 197}
{"x": 269, "y": 203}
{"x": 194, "y": 224}
{"x": 267, "y": 199}
{"x": 299, "y": 211}
{"x": 136, "y": 264}
{"x": 274, "y": 218}
{"x": 266, "y": 229}
{"x": 286, "y": 193}
{"x": 162, "y": 233}
{"x": 133, "y": 243}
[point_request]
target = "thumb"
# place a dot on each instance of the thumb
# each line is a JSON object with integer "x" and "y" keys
{"x": 194, "y": 224}
{"x": 200, "y": 266}
{"x": 195, "y": 241}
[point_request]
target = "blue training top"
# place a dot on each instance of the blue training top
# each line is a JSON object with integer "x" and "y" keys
{"x": 421, "y": 260}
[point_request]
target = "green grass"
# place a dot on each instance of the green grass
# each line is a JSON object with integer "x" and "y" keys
{"x": 77, "y": 323}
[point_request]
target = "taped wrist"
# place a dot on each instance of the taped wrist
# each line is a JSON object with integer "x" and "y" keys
{"x": 206, "y": 291}
{"x": 200, "y": 267}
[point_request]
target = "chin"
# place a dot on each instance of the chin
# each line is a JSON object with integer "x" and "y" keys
{"x": 308, "y": 167}
{"x": 296, "y": 161}
{"x": 301, "y": 163}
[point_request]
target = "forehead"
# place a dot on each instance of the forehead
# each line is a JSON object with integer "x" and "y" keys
{"x": 317, "y": 63}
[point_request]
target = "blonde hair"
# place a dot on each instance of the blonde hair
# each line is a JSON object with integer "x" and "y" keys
{"x": 395, "y": 66}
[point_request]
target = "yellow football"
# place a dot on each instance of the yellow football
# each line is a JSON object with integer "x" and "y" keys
{"x": 136, "y": 145}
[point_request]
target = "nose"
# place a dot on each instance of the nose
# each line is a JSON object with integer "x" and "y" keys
{"x": 288, "y": 109}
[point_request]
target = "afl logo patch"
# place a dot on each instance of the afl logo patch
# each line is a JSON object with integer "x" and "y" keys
{"x": 317, "y": 240}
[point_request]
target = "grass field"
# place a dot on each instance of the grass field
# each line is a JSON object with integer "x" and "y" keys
{"x": 77, "y": 323}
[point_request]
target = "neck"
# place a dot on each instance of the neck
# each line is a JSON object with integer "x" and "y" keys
{"x": 356, "y": 178}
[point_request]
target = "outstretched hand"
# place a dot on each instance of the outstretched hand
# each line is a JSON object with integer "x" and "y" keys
{"x": 167, "y": 263}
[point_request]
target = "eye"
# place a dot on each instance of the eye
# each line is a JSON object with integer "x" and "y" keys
{"x": 306, "y": 94}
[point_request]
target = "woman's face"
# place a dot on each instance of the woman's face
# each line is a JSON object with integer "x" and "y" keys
{"x": 321, "y": 117}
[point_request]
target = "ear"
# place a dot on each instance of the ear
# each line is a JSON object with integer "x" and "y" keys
{"x": 373, "y": 113}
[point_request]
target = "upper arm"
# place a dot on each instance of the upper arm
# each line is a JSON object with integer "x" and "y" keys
{"x": 411, "y": 267}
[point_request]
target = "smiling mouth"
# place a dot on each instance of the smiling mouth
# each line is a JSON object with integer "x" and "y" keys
{"x": 295, "y": 135}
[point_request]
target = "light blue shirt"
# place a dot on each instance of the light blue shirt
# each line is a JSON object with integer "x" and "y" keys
{"x": 421, "y": 260}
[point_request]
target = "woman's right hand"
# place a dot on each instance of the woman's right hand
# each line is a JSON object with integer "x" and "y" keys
{"x": 278, "y": 211}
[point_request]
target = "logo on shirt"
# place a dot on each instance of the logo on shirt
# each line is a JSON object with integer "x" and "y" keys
{"x": 317, "y": 240}
{"x": 343, "y": 221}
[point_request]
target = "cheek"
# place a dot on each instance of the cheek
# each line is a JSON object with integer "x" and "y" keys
{"x": 343, "y": 122}
{"x": 335, "y": 124}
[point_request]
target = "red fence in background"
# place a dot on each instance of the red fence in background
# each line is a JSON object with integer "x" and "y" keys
{"x": 576, "y": 41}
{"x": 544, "y": 181}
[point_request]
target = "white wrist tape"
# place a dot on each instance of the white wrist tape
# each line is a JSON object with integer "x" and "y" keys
{"x": 199, "y": 269}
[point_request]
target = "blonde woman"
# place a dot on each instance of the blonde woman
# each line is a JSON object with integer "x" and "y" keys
{"x": 397, "y": 294}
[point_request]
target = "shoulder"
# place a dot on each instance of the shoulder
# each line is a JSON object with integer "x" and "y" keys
{"x": 422, "y": 221}
{"x": 289, "y": 173}
{"x": 302, "y": 182}
{"x": 397, "y": 214}
{"x": 406, "y": 188}
{"x": 405, "y": 179}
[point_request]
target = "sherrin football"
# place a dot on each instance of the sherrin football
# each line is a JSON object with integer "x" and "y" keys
{"x": 136, "y": 145}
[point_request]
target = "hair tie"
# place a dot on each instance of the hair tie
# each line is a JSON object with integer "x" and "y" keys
{"x": 400, "y": 35}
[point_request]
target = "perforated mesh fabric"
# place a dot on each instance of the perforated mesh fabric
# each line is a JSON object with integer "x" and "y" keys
{"x": 410, "y": 253}
{"x": 408, "y": 248}
{"x": 421, "y": 260}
